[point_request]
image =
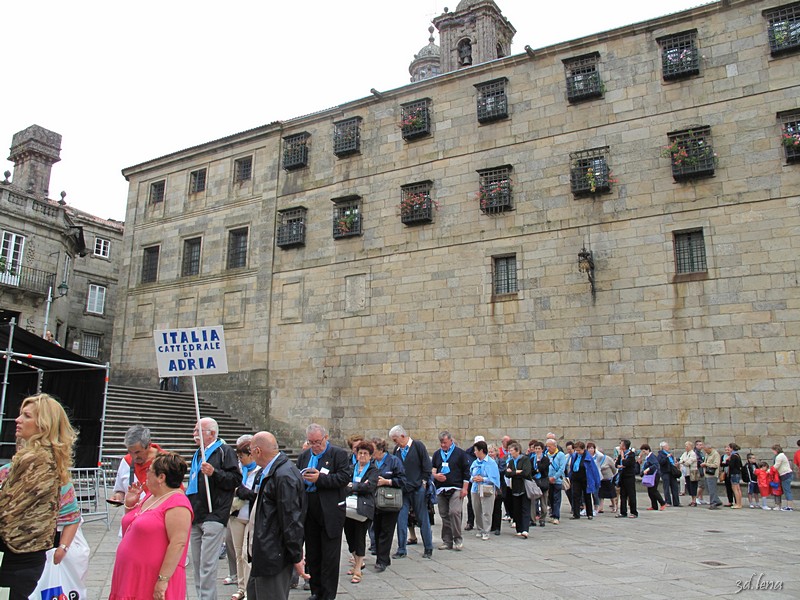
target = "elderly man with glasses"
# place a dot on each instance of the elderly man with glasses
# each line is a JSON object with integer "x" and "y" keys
{"x": 326, "y": 471}
{"x": 220, "y": 472}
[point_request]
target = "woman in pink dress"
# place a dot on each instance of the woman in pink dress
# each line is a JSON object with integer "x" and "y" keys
{"x": 155, "y": 536}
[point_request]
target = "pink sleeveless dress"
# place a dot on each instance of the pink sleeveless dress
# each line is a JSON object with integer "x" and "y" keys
{"x": 141, "y": 552}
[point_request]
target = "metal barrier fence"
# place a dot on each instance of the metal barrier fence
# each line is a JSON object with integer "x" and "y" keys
{"x": 91, "y": 493}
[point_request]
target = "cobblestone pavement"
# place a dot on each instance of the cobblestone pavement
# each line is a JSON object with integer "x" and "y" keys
{"x": 677, "y": 553}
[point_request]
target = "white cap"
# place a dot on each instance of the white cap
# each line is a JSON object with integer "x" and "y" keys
{"x": 479, "y": 438}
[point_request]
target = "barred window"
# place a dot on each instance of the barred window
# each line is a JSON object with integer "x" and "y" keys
{"x": 415, "y": 119}
{"x": 589, "y": 172}
{"x": 505, "y": 275}
{"x": 583, "y": 77}
{"x": 157, "y": 190}
{"x": 102, "y": 247}
{"x": 242, "y": 169}
{"x": 494, "y": 192}
{"x": 679, "y": 55}
{"x": 492, "y": 100}
{"x": 347, "y": 137}
{"x": 191, "y": 257}
{"x": 291, "y": 227}
{"x": 90, "y": 345}
{"x": 783, "y": 28}
{"x": 150, "y": 264}
{"x": 237, "y": 248}
{"x": 197, "y": 181}
{"x": 416, "y": 203}
{"x": 690, "y": 252}
{"x": 96, "y": 302}
{"x": 790, "y": 135}
{"x": 295, "y": 151}
{"x": 691, "y": 153}
{"x": 347, "y": 221}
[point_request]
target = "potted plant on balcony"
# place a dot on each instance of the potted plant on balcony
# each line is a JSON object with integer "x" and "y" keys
{"x": 414, "y": 122}
{"x": 417, "y": 208}
{"x": 690, "y": 157}
{"x": 348, "y": 224}
{"x": 495, "y": 196}
{"x": 791, "y": 141}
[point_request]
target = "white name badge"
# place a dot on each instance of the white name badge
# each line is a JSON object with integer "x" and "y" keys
{"x": 444, "y": 464}
{"x": 358, "y": 479}
{"x": 324, "y": 471}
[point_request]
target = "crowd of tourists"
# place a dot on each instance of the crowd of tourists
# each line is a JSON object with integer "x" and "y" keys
{"x": 282, "y": 523}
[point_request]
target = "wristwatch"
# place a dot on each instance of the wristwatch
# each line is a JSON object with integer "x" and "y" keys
{"x": 162, "y": 577}
{"x": 64, "y": 547}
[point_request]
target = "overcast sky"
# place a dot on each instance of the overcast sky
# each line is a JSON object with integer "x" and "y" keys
{"x": 125, "y": 82}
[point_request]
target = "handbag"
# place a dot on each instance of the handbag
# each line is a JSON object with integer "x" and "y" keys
{"x": 486, "y": 490}
{"x": 649, "y": 480}
{"x": 389, "y": 499}
{"x": 674, "y": 471}
{"x": 711, "y": 471}
{"x": 532, "y": 490}
{"x": 694, "y": 475}
{"x": 566, "y": 484}
{"x": 351, "y": 509}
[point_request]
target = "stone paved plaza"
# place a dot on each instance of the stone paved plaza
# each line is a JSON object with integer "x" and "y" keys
{"x": 679, "y": 553}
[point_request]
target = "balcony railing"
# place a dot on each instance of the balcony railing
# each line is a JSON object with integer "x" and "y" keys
{"x": 26, "y": 279}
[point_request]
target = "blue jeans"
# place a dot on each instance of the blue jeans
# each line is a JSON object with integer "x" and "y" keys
{"x": 415, "y": 500}
{"x": 555, "y": 500}
{"x": 786, "y": 484}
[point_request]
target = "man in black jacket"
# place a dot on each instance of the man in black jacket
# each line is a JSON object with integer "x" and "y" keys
{"x": 626, "y": 471}
{"x": 220, "y": 472}
{"x": 326, "y": 471}
{"x": 278, "y": 522}
{"x": 451, "y": 477}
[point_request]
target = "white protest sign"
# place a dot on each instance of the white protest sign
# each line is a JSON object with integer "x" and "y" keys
{"x": 188, "y": 352}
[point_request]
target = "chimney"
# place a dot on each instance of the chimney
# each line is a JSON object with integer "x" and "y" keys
{"x": 33, "y": 152}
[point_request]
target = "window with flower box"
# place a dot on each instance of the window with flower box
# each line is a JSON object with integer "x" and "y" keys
{"x": 783, "y": 28}
{"x": 416, "y": 203}
{"x": 347, "y": 137}
{"x": 347, "y": 220}
{"x": 157, "y": 191}
{"x": 295, "y": 151}
{"x": 197, "y": 181}
{"x": 494, "y": 193}
{"x": 589, "y": 172}
{"x": 415, "y": 119}
{"x": 242, "y": 169}
{"x": 679, "y": 55}
{"x": 504, "y": 275}
{"x": 492, "y": 100}
{"x": 691, "y": 153}
{"x": 790, "y": 135}
{"x": 690, "y": 252}
{"x": 291, "y": 227}
{"x": 583, "y": 77}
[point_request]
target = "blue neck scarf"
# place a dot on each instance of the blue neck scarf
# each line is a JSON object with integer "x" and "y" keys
{"x": 357, "y": 475}
{"x": 196, "y": 462}
{"x": 576, "y": 465}
{"x": 313, "y": 461}
{"x": 404, "y": 452}
{"x": 445, "y": 459}
{"x": 381, "y": 462}
{"x": 246, "y": 471}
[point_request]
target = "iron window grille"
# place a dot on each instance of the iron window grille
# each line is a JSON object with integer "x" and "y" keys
{"x": 295, "y": 151}
{"x": 96, "y": 301}
{"x": 197, "y": 181}
{"x": 347, "y": 220}
{"x": 790, "y": 136}
{"x": 242, "y": 169}
{"x": 415, "y": 120}
{"x": 347, "y": 137}
{"x": 102, "y": 247}
{"x": 691, "y": 153}
{"x": 157, "y": 191}
{"x": 237, "y": 248}
{"x": 589, "y": 172}
{"x": 191, "y": 257}
{"x": 504, "y": 276}
{"x": 150, "y": 264}
{"x": 492, "y": 100}
{"x": 679, "y": 55}
{"x": 494, "y": 193}
{"x": 784, "y": 29}
{"x": 291, "y": 227}
{"x": 690, "y": 252}
{"x": 416, "y": 203}
{"x": 583, "y": 78}
{"x": 90, "y": 346}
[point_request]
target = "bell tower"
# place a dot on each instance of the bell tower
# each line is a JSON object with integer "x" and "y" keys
{"x": 475, "y": 33}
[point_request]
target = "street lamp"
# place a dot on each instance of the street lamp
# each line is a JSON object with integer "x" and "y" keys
{"x": 586, "y": 265}
{"x": 62, "y": 289}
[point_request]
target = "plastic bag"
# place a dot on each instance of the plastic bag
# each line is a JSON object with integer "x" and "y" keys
{"x": 64, "y": 581}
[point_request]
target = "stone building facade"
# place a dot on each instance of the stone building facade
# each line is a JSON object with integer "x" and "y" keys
{"x": 52, "y": 250}
{"x": 597, "y": 238}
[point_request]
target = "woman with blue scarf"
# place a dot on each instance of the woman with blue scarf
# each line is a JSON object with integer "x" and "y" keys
{"x": 649, "y": 467}
{"x": 484, "y": 479}
{"x": 585, "y": 479}
{"x": 240, "y": 515}
{"x": 363, "y": 484}
{"x": 518, "y": 469}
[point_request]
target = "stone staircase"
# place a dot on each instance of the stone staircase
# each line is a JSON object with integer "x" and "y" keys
{"x": 170, "y": 416}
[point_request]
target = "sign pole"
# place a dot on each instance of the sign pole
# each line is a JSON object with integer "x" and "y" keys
{"x": 202, "y": 444}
